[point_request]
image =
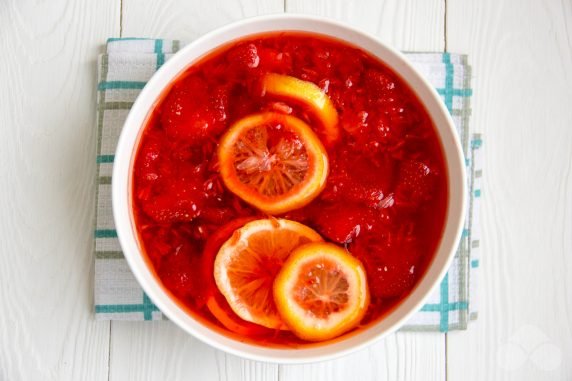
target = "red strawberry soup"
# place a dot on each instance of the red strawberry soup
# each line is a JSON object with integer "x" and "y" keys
{"x": 384, "y": 199}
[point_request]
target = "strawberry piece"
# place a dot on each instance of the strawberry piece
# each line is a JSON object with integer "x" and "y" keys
{"x": 273, "y": 60}
{"x": 385, "y": 132}
{"x": 244, "y": 99}
{"x": 161, "y": 241}
{"x": 390, "y": 279}
{"x": 322, "y": 60}
{"x": 148, "y": 159}
{"x": 219, "y": 103}
{"x": 180, "y": 200}
{"x": 390, "y": 259}
{"x": 362, "y": 167}
{"x": 416, "y": 183}
{"x": 351, "y": 179}
{"x": 350, "y": 63}
{"x": 190, "y": 114}
{"x": 367, "y": 194}
{"x": 244, "y": 57}
{"x": 177, "y": 271}
{"x": 343, "y": 223}
{"x": 217, "y": 215}
{"x": 355, "y": 123}
{"x": 379, "y": 82}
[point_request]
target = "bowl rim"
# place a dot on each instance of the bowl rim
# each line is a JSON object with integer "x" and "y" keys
{"x": 129, "y": 141}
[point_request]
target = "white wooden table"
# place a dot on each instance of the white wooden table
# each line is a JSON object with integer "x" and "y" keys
{"x": 521, "y": 52}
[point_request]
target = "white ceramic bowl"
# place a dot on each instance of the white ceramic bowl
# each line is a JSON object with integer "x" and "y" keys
{"x": 128, "y": 141}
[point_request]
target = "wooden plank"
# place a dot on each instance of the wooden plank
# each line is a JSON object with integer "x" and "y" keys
{"x": 166, "y": 352}
{"x": 160, "y": 350}
{"x": 187, "y": 20}
{"x": 402, "y": 356}
{"x": 521, "y": 57}
{"x": 413, "y": 26}
{"x": 47, "y": 114}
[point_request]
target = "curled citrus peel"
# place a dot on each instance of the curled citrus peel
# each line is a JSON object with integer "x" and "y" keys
{"x": 308, "y": 94}
{"x": 247, "y": 263}
{"x": 273, "y": 161}
{"x": 218, "y": 307}
{"x": 321, "y": 291}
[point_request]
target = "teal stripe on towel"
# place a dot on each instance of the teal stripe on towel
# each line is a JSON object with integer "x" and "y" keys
{"x": 105, "y": 233}
{"x": 127, "y": 39}
{"x": 147, "y": 307}
{"x": 159, "y": 52}
{"x": 105, "y": 159}
{"x": 109, "y": 85}
{"x": 444, "y": 322}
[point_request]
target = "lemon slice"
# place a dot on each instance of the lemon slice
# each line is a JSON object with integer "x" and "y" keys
{"x": 247, "y": 263}
{"x": 308, "y": 94}
{"x": 321, "y": 291}
{"x": 273, "y": 161}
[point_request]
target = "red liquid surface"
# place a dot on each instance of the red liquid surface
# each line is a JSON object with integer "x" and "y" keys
{"x": 386, "y": 193}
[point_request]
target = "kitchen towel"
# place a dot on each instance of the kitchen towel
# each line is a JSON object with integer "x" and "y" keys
{"x": 124, "y": 70}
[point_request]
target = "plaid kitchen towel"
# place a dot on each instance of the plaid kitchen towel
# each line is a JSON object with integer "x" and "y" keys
{"x": 127, "y": 66}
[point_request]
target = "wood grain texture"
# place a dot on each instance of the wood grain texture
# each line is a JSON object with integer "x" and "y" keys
{"x": 521, "y": 53}
{"x": 160, "y": 350}
{"x": 187, "y": 20}
{"x": 47, "y": 113}
{"x": 401, "y": 356}
{"x": 407, "y": 24}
